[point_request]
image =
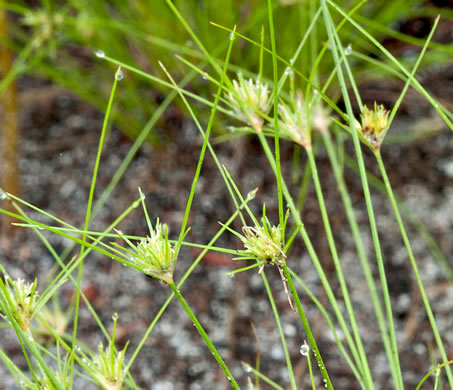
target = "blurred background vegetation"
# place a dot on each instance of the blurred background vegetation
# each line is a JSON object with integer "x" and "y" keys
{"x": 56, "y": 40}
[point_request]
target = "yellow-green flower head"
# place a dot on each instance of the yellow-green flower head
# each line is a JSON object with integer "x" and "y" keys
{"x": 108, "y": 367}
{"x": 156, "y": 255}
{"x": 263, "y": 242}
{"x": 249, "y": 98}
{"x": 44, "y": 24}
{"x": 374, "y": 125}
{"x": 293, "y": 122}
{"x": 21, "y": 300}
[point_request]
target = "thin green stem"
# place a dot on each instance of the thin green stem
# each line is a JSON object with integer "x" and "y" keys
{"x": 265, "y": 379}
{"x": 412, "y": 218}
{"x": 331, "y": 325}
{"x": 276, "y": 128}
{"x": 179, "y": 90}
{"x": 306, "y": 325}
{"x": 395, "y": 364}
{"x": 358, "y": 241}
{"x": 313, "y": 255}
{"x": 310, "y": 372}
{"x": 88, "y": 211}
{"x": 363, "y": 363}
{"x": 223, "y": 78}
{"x": 280, "y": 330}
{"x": 204, "y": 336}
{"x": 304, "y": 187}
{"x": 418, "y": 279}
{"x": 433, "y": 371}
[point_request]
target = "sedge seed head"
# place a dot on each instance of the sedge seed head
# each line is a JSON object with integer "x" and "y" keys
{"x": 374, "y": 123}
{"x": 155, "y": 254}
{"x": 263, "y": 242}
{"x": 108, "y": 368}
{"x": 293, "y": 122}
{"x": 21, "y": 301}
{"x": 249, "y": 98}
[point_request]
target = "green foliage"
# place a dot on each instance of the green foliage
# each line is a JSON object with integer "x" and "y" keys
{"x": 141, "y": 37}
{"x": 65, "y": 36}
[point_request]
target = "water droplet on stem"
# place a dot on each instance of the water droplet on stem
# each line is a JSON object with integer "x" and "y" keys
{"x": 348, "y": 50}
{"x": 304, "y": 350}
{"x": 99, "y": 53}
{"x": 247, "y": 368}
{"x": 119, "y": 75}
{"x": 251, "y": 195}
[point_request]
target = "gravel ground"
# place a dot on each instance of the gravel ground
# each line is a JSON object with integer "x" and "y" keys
{"x": 57, "y": 152}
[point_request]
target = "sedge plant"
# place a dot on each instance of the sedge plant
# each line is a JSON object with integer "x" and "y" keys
{"x": 273, "y": 113}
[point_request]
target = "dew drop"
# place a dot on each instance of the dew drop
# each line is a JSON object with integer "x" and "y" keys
{"x": 229, "y": 378}
{"x": 142, "y": 196}
{"x": 304, "y": 349}
{"x": 115, "y": 316}
{"x": 204, "y": 76}
{"x": 348, "y": 50}
{"x": 289, "y": 71}
{"x": 99, "y": 53}
{"x": 232, "y": 36}
{"x": 230, "y": 274}
{"x": 247, "y": 368}
{"x": 119, "y": 75}
{"x": 3, "y": 195}
{"x": 251, "y": 195}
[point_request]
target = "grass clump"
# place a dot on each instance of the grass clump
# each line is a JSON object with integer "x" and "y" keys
{"x": 267, "y": 78}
